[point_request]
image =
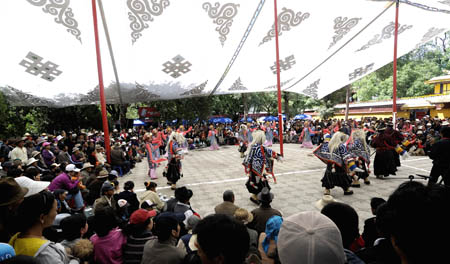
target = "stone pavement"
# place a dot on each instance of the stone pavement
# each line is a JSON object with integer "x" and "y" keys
{"x": 210, "y": 173}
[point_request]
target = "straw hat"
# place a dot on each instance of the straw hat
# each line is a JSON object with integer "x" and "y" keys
{"x": 102, "y": 174}
{"x": 326, "y": 199}
{"x": 243, "y": 216}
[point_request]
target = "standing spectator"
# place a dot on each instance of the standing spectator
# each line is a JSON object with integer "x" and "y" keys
{"x": 440, "y": 154}
{"x": 163, "y": 249}
{"x": 129, "y": 195}
{"x": 227, "y": 207}
{"x": 267, "y": 244}
{"x": 310, "y": 237}
{"x": 138, "y": 233}
{"x": 108, "y": 240}
{"x": 264, "y": 212}
{"x": 151, "y": 196}
{"x": 20, "y": 152}
{"x": 221, "y": 239}
{"x": 36, "y": 213}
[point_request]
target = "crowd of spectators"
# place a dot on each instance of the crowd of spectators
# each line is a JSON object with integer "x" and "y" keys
{"x": 61, "y": 202}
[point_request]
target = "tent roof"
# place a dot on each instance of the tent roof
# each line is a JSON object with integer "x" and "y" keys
{"x": 178, "y": 49}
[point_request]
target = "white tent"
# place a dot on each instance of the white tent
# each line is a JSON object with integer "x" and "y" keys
{"x": 166, "y": 49}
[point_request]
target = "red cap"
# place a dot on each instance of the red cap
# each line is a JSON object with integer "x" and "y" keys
{"x": 141, "y": 215}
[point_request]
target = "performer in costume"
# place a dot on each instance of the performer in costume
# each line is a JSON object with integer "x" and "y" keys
{"x": 333, "y": 152}
{"x": 152, "y": 158}
{"x": 173, "y": 169}
{"x": 251, "y": 128}
{"x": 305, "y": 136}
{"x": 384, "y": 163}
{"x": 258, "y": 162}
{"x": 358, "y": 148}
{"x": 397, "y": 138}
{"x": 212, "y": 138}
{"x": 182, "y": 131}
{"x": 269, "y": 135}
{"x": 243, "y": 140}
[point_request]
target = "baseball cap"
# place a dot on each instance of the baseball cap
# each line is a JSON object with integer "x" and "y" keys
{"x": 6, "y": 252}
{"x": 310, "y": 237}
{"x": 72, "y": 167}
{"x": 32, "y": 186}
{"x": 141, "y": 215}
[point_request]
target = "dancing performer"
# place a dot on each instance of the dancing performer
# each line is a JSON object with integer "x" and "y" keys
{"x": 173, "y": 169}
{"x": 182, "y": 131}
{"x": 357, "y": 147}
{"x": 153, "y": 158}
{"x": 305, "y": 136}
{"x": 258, "y": 162}
{"x": 397, "y": 138}
{"x": 251, "y": 128}
{"x": 212, "y": 138}
{"x": 333, "y": 152}
{"x": 384, "y": 163}
{"x": 243, "y": 140}
{"x": 269, "y": 134}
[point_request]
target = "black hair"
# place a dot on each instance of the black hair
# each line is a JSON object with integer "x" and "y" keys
{"x": 228, "y": 196}
{"x": 32, "y": 207}
{"x": 221, "y": 235}
{"x": 164, "y": 226}
{"x": 128, "y": 186}
{"x": 375, "y": 202}
{"x": 14, "y": 172}
{"x": 72, "y": 225}
{"x": 104, "y": 221}
{"x": 32, "y": 172}
{"x": 150, "y": 185}
{"x": 445, "y": 131}
{"x": 415, "y": 209}
{"x": 345, "y": 218}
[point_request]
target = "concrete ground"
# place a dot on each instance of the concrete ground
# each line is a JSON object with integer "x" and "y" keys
{"x": 209, "y": 173}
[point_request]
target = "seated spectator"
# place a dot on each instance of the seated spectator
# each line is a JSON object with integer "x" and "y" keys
{"x": 370, "y": 233}
{"x": 163, "y": 249}
{"x": 83, "y": 250}
{"x": 60, "y": 197}
{"x": 221, "y": 239}
{"x": 183, "y": 243}
{"x": 129, "y": 195}
{"x": 63, "y": 155}
{"x": 267, "y": 244}
{"x": 33, "y": 173}
{"x": 73, "y": 229}
{"x": 138, "y": 233}
{"x": 108, "y": 240}
{"x": 243, "y": 216}
{"x": 346, "y": 219}
{"x": 151, "y": 196}
{"x": 382, "y": 251}
{"x": 87, "y": 173}
{"x": 106, "y": 200}
{"x": 264, "y": 212}
{"x": 227, "y": 207}
{"x": 118, "y": 158}
{"x": 183, "y": 195}
{"x": 96, "y": 186}
{"x": 34, "y": 214}
{"x": 413, "y": 203}
{"x": 69, "y": 181}
{"x": 48, "y": 155}
{"x": 310, "y": 237}
{"x": 11, "y": 196}
{"x": 77, "y": 158}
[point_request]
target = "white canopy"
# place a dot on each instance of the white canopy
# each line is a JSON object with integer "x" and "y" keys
{"x": 167, "y": 49}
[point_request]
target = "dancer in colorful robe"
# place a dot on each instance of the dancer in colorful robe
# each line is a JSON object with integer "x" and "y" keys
{"x": 212, "y": 138}
{"x": 358, "y": 148}
{"x": 173, "y": 170}
{"x": 384, "y": 163}
{"x": 269, "y": 135}
{"x": 334, "y": 153}
{"x": 153, "y": 158}
{"x": 305, "y": 136}
{"x": 258, "y": 164}
{"x": 243, "y": 140}
{"x": 182, "y": 131}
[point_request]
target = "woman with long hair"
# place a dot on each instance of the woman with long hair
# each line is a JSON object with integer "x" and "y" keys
{"x": 174, "y": 155}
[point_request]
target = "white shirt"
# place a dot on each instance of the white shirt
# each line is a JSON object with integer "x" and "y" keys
{"x": 19, "y": 153}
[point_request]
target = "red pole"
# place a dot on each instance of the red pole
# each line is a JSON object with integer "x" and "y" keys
{"x": 100, "y": 84}
{"x": 394, "y": 94}
{"x": 280, "y": 116}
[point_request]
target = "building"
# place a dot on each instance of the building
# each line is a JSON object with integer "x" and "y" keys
{"x": 435, "y": 105}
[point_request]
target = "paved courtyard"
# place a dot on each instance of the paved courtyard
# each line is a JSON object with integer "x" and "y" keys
{"x": 210, "y": 173}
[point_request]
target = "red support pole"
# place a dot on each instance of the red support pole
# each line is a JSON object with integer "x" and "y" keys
{"x": 394, "y": 93}
{"x": 280, "y": 116}
{"x": 100, "y": 84}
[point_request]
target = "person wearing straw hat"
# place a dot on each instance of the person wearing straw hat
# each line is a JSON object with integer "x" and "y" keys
{"x": 20, "y": 152}
{"x": 245, "y": 217}
{"x": 95, "y": 186}
{"x": 87, "y": 174}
